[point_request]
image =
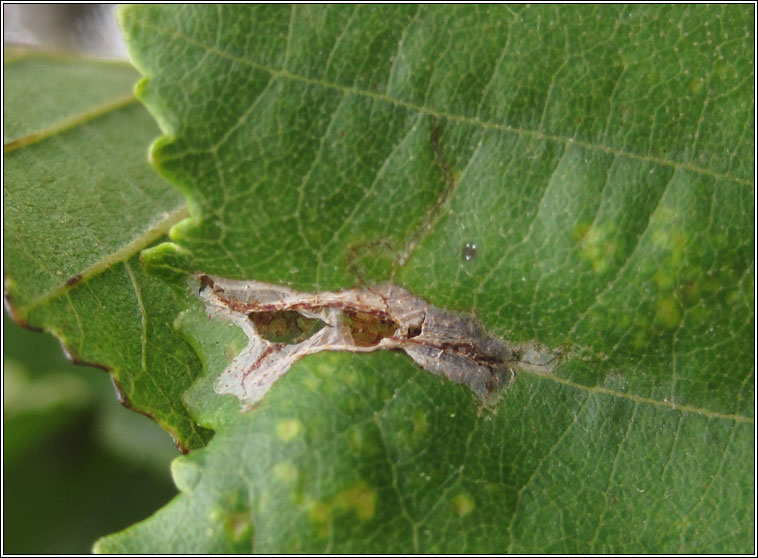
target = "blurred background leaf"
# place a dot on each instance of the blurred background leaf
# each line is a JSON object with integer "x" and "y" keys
{"x": 77, "y": 464}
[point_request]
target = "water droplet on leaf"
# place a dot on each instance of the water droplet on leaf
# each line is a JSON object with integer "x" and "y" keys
{"x": 469, "y": 251}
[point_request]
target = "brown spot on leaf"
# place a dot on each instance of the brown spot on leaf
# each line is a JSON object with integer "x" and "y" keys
{"x": 8, "y": 300}
{"x": 71, "y": 281}
{"x": 79, "y": 362}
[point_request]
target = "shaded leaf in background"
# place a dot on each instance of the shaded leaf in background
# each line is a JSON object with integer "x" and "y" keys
{"x": 80, "y": 203}
{"x": 38, "y": 397}
{"x": 70, "y": 451}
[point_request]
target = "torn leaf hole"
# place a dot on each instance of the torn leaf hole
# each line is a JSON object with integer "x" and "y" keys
{"x": 414, "y": 331}
{"x": 284, "y": 325}
{"x": 368, "y": 330}
{"x": 205, "y": 282}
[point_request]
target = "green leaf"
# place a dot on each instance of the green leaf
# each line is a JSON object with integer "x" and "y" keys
{"x": 80, "y": 202}
{"x": 580, "y": 176}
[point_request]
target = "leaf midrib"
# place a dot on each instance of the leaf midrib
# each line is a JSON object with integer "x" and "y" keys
{"x": 70, "y": 123}
{"x": 121, "y": 255}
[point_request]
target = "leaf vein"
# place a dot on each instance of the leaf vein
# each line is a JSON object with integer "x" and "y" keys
{"x": 455, "y": 117}
{"x": 70, "y": 123}
{"x": 614, "y": 465}
{"x": 538, "y": 466}
{"x": 122, "y": 254}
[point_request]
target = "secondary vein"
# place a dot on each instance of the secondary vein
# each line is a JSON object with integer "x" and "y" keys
{"x": 276, "y": 72}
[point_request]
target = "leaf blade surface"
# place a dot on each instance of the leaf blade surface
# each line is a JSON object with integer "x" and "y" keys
{"x": 580, "y": 150}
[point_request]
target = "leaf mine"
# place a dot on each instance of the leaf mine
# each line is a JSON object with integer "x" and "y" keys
{"x": 283, "y": 325}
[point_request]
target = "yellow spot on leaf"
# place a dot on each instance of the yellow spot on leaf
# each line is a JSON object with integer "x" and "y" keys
{"x": 361, "y": 499}
{"x": 238, "y": 526}
{"x": 288, "y": 429}
{"x": 420, "y": 425}
{"x": 669, "y": 238}
{"x": 319, "y": 512}
{"x": 463, "y": 505}
{"x": 598, "y": 246}
{"x": 668, "y": 313}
